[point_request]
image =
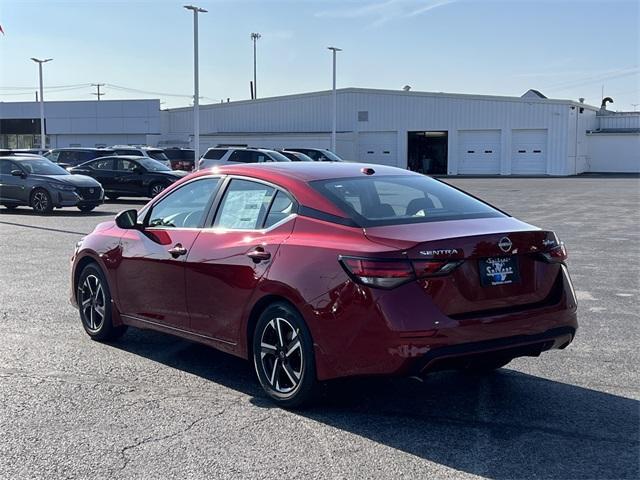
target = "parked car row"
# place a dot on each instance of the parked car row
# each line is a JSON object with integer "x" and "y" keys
{"x": 44, "y": 182}
{"x": 224, "y": 155}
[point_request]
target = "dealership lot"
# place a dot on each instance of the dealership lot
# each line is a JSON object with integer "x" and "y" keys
{"x": 152, "y": 406}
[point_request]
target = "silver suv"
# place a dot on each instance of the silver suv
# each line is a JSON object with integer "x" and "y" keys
{"x": 218, "y": 156}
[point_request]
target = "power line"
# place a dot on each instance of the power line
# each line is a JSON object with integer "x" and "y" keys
{"x": 49, "y": 87}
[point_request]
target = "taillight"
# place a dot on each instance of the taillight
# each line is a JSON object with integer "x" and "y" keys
{"x": 383, "y": 273}
{"x": 556, "y": 254}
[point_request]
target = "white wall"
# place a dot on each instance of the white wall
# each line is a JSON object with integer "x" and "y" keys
{"x": 614, "y": 152}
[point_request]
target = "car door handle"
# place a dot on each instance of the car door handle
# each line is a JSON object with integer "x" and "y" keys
{"x": 178, "y": 250}
{"x": 258, "y": 255}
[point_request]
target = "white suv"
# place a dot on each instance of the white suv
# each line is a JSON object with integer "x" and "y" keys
{"x": 218, "y": 156}
{"x": 149, "y": 152}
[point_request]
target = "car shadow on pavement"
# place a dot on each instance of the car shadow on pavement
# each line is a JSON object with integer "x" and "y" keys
{"x": 502, "y": 426}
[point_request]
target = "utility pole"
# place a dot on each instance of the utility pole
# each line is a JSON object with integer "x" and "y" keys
{"x": 255, "y": 37}
{"x": 334, "y": 124}
{"x": 98, "y": 85}
{"x": 42, "y": 132}
{"x": 196, "y": 86}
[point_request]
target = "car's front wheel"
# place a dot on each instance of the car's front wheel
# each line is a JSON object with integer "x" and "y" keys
{"x": 86, "y": 208}
{"x": 283, "y": 356}
{"x": 41, "y": 201}
{"x": 94, "y": 302}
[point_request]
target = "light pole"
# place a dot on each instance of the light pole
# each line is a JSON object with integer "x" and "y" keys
{"x": 255, "y": 37}
{"x": 42, "y": 132}
{"x": 335, "y": 101}
{"x": 196, "y": 87}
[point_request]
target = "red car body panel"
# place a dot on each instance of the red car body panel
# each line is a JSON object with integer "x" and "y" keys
{"x": 212, "y": 294}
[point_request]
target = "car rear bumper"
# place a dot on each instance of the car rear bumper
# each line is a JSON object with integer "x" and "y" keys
{"x": 379, "y": 336}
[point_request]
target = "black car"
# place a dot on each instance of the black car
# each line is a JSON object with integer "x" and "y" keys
{"x": 181, "y": 158}
{"x": 317, "y": 154}
{"x": 129, "y": 175}
{"x": 71, "y": 157}
{"x": 38, "y": 183}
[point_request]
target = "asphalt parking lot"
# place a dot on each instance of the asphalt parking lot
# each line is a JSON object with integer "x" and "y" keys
{"x": 151, "y": 406}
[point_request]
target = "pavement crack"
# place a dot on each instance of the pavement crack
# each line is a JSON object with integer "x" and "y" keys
{"x": 151, "y": 439}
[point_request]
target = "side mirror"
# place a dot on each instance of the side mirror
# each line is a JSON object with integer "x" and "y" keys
{"x": 18, "y": 173}
{"x": 127, "y": 220}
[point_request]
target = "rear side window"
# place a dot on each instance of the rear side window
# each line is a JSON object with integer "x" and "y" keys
{"x": 215, "y": 154}
{"x": 281, "y": 207}
{"x": 103, "y": 164}
{"x": 157, "y": 155}
{"x": 245, "y": 156}
{"x": 402, "y": 199}
{"x": 244, "y": 206}
{"x": 6, "y": 167}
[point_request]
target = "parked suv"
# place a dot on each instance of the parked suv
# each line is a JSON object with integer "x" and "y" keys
{"x": 150, "y": 152}
{"x": 218, "y": 156}
{"x": 70, "y": 157}
{"x": 318, "y": 154}
{"x": 181, "y": 158}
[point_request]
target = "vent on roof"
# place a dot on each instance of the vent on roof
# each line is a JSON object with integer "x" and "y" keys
{"x": 363, "y": 116}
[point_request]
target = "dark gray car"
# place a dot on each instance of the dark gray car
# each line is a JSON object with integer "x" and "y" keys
{"x": 43, "y": 185}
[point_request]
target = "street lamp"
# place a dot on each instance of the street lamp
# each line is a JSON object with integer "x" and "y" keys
{"x": 255, "y": 37}
{"x": 42, "y": 132}
{"x": 335, "y": 101}
{"x": 196, "y": 87}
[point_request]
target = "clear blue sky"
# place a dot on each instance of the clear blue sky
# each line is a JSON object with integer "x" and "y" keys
{"x": 564, "y": 48}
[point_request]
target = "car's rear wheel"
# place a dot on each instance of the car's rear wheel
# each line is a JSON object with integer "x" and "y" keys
{"x": 94, "y": 303}
{"x": 41, "y": 201}
{"x": 283, "y": 356}
{"x": 156, "y": 188}
{"x": 86, "y": 208}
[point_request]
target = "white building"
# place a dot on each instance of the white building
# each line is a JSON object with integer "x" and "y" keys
{"x": 429, "y": 132}
{"x": 79, "y": 123}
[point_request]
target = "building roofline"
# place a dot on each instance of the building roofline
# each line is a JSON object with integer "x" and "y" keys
{"x": 466, "y": 96}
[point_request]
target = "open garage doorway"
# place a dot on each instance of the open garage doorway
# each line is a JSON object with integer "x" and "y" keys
{"x": 427, "y": 152}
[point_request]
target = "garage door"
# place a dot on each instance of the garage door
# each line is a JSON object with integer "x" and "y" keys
{"x": 529, "y": 152}
{"x": 378, "y": 147}
{"x": 479, "y": 152}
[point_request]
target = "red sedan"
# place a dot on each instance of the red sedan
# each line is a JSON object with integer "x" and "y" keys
{"x": 315, "y": 271}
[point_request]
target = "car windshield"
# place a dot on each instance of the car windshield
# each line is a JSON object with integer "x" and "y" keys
{"x": 42, "y": 167}
{"x": 157, "y": 155}
{"x": 152, "y": 165}
{"x": 394, "y": 200}
{"x": 278, "y": 157}
{"x": 331, "y": 156}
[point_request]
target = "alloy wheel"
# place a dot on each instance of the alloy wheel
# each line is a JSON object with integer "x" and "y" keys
{"x": 40, "y": 201}
{"x": 156, "y": 189}
{"x": 281, "y": 356}
{"x": 92, "y": 303}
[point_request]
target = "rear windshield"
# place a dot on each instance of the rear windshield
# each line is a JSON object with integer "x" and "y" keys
{"x": 157, "y": 155}
{"x": 402, "y": 199}
{"x": 215, "y": 153}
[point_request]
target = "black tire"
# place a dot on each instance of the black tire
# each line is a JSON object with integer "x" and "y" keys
{"x": 94, "y": 304}
{"x": 286, "y": 369}
{"x": 486, "y": 366}
{"x": 156, "y": 188}
{"x": 86, "y": 208}
{"x": 10, "y": 207}
{"x": 112, "y": 197}
{"x": 41, "y": 201}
